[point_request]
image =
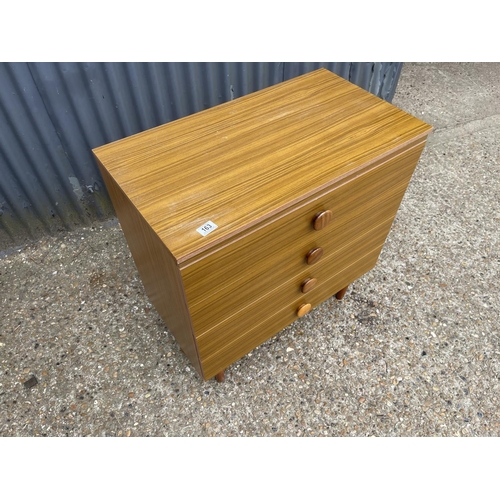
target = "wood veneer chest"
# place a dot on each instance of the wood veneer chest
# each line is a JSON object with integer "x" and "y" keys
{"x": 245, "y": 216}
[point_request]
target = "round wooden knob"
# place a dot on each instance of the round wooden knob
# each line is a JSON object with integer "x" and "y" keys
{"x": 303, "y": 310}
{"x": 322, "y": 219}
{"x": 314, "y": 255}
{"x": 308, "y": 285}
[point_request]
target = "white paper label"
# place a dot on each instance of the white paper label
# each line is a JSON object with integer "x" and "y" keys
{"x": 207, "y": 228}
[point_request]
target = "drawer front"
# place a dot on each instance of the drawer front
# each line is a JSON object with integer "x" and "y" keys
{"x": 354, "y": 243}
{"x": 272, "y": 251}
{"x": 219, "y": 355}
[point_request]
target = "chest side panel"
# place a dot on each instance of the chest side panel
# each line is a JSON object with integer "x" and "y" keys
{"x": 158, "y": 271}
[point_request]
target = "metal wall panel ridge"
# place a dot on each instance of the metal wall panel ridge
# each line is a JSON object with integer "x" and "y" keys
{"x": 53, "y": 114}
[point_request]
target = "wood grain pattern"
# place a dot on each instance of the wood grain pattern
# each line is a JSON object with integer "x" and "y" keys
{"x": 212, "y": 312}
{"x": 158, "y": 270}
{"x": 314, "y": 255}
{"x": 218, "y": 333}
{"x": 274, "y": 250}
{"x": 243, "y": 341}
{"x": 308, "y": 284}
{"x": 303, "y": 310}
{"x": 223, "y": 164}
{"x": 322, "y": 219}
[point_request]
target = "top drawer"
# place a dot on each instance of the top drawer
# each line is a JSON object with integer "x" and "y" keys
{"x": 265, "y": 250}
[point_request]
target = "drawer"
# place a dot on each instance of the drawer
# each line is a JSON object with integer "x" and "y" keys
{"x": 290, "y": 291}
{"x": 245, "y": 338}
{"x": 265, "y": 252}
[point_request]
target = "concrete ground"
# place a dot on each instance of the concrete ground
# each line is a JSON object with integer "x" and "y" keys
{"x": 412, "y": 350}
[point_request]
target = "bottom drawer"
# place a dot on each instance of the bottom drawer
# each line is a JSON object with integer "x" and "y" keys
{"x": 240, "y": 345}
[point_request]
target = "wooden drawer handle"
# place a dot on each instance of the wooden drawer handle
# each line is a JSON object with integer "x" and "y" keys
{"x": 303, "y": 310}
{"x": 308, "y": 285}
{"x": 314, "y": 255}
{"x": 322, "y": 219}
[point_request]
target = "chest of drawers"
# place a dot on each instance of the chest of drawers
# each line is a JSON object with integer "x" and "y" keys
{"x": 245, "y": 216}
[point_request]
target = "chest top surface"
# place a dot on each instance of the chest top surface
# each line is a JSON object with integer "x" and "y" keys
{"x": 243, "y": 161}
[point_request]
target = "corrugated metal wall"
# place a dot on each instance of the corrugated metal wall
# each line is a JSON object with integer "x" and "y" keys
{"x": 53, "y": 114}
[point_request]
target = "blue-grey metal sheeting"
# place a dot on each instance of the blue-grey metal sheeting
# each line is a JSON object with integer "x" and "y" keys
{"x": 53, "y": 114}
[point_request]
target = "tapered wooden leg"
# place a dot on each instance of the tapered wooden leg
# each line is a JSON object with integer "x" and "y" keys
{"x": 340, "y": 294}
{"x": 220, "y": 377}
